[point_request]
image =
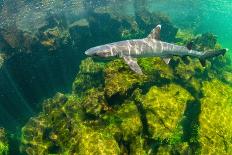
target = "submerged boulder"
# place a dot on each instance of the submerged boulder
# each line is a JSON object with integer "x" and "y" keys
{"x": 215, "y": 119}
{"x": 119, "y": 79}
{"x": 90, "y": 76}
{"x": 53, "y": 130}
{"x": 165, "y": 107}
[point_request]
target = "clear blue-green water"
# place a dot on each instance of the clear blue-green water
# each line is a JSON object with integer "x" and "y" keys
{"x": 202, "y": 16}
{"x": 105, "y": 108}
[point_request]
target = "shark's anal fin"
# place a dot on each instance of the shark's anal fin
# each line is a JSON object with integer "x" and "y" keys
{"x": 167, "y": 60}
{"x": 155, "y": 33}
{"x": 132, "y": 63}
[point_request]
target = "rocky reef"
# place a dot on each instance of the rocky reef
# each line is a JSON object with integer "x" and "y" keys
{"x": 181, "y": 108}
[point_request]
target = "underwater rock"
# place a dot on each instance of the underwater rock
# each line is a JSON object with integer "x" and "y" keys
{"x": 205, "y": 41}
{"x": 228, "y": 77}
{"x": 14, "y": 40}
{"x": 183, "y": 37}
{"x": 125, "y": 125}
{"x": 59, "y": 129}
{"x": 156, "y": 69}
{"x": 80, "y": 32}
{"x": 92, "y": 142}
{"x": 186, "y": 71}
{"x": 165, "y": 108}
{"x": 94, "y": 103}
{"x": 2, "y": 59}
{"x": 55, "y": 38}
{"x": 90, "y": 76}
{"x": 182, "y": 149}
{"x": 4, "y": 146}
{"x": 119, "y": 79}
{"x": 215, "y": 118}
{"x": 53, "y": 130}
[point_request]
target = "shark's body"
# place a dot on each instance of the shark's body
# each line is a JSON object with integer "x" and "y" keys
{"x": 151, "y": 46}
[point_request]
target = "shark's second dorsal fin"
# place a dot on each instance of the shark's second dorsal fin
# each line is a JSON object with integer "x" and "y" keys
{"x": 155, "y": 33}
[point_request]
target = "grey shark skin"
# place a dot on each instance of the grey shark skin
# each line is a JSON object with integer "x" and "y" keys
{"x": 151, "y": 46}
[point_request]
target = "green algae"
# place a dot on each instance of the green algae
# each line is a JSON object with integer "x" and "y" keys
{"x": 89, "y": 76}
{"x": 93, "y": 142}
{"x": 119, "y": 78}
{"x": 165, "y": 108}
{"x": 215, "y": 118}
{"x": 4, "y": 146}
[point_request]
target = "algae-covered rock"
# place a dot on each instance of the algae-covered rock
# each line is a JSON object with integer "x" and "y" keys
{"x": 60, "y": 129}
{"x": 131, "y": 124}
{"x": 119, "y": 78}
{"x": 215, "y": 132}
{"x": 182, "y": 149}
{"x": 92, "y": 142}
{"x": 94, "y": 102}
{"x": 4, "y": 146}
{"x": 227, "y": 76}
{"x": 165, "y": 108}
{"x": 206, "y": 41}
{"x": 54, "y": 38}
{"x": 156, "y": 69}
{"x": 188, "y": 70}
{"x": 52, "y": 130}
{"x": 126, "y": 126}
{"x": 90, "y": 76}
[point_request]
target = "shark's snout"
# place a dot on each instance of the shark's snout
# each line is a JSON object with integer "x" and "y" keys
{"x": 90, "y": 52}
{"x": 99, "y": 51}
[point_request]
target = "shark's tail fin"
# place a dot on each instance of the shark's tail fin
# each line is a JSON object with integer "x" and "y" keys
{"x": 211, "y": 54}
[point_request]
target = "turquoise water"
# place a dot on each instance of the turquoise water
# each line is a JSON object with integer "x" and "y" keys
{"x": 56, "y": 100}
{"x": 202, "y": 16}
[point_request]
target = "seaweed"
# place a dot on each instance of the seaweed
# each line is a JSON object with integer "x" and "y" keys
{"x": 4, "y": 145}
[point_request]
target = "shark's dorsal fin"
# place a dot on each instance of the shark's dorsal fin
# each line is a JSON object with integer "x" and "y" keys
{"x": 132, "y": 63}
{"x": 155, "y": 33}
{"x": 167, "y": 60}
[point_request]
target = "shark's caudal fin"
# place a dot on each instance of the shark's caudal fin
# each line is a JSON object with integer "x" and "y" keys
{"x": 211, "y": 54}
{"x": 155, "y": 33}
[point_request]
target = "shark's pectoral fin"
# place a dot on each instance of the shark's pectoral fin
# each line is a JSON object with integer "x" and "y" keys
{"x": 167, "y": 60}
{"x": 203, "y": 62}
{"x": 155, "y": 33}
{"x": 132, "y": 63}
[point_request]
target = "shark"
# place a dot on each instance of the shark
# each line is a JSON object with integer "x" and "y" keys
{"x": 151, "y": 46}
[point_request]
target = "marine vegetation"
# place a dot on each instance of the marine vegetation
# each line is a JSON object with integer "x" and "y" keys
{"x": 170, "y": 109}
{"x": 4, "y": 146}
